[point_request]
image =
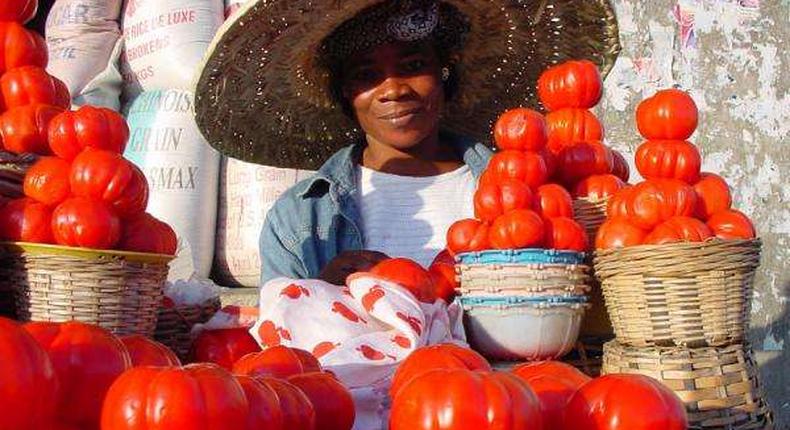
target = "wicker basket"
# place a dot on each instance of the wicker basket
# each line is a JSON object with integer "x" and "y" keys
{"x": 524, "y": 279}
{"x": 175, "y": 324}
{"x": 119, "y": 291}
{"x": 684, "y": 294}
{"x": 590, "y": 214}
{"x": 587, "y": 355}
{"x": 720, "y": 386}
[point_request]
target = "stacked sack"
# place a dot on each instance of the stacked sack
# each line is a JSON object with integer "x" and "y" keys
{"x": 677, "y": 265}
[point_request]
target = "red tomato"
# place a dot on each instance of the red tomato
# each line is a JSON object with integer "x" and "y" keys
{"x": 440, "y": 356}
{"x": 598, "y": 187}
{"x": 223, "y": 346}
{"x": 617, "y": 206}
{"x": 30, "y": 388}
{"x": 296, "y": 407}
{"x": 26, "y": 220}
{"x": 20, "y": 47}
{"x": 332, "y": 402}
{"x": 552, "y": 201}
{"x": 493, "y": 200}
{"x": 196, "y": 396}
{"x": 47, "y": 181}
{"x": 655, "y": 201}
{"x": 278, "y": 362}
{"x": 87, "y": 359}
{"x": 669, "y": 114}
{"x": 145, "y": 233}
{"x": 520, "y": 129}
{"x": 572, "y": 84}
{"x": 584, "y": 159}
{"x": 20, "y": 11}
{"x": 264, "y": 406}
{"x": 620, "y": 166}
{"x": 409, "y": 275}
{"x": 24, "y": 129}
{"x": 553, "y": 383}
{"x": 527, "y": 167}
{"x": 88, "y": 127}
{"x": 625, "y": 402}
{"x": 442, "y": 272}
{"x": 618, "y": 233}
{"x": 85, "y": 223}
{"x": 676, "y": 159}
{"x": 551, "y": 162}
{"x": 146, "y": 352}
{"x": 731, "y": 224}
{"x": 107, "y": 176}
{"x": 517, "y": 229}
{"x": 30, "y": 85}
{"x": 455, "y": 399}
{"x": 567, "y": 127}
{"x": 679, "y": 229}
{"x": 713, "y": 195}
{"x": 467, "y": 235}
{"x": 565, "y": 234}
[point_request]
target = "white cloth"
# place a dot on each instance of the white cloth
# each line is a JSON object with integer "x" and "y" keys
{"x": 405, "y": 216}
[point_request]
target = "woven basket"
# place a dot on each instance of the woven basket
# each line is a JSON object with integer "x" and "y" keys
{"x": 684, "y": 294}
{"x": 524, "y": 279}
{"x": 590, "y": 213}
{"x": 720, "y": 386}
{"x": 175, "y": 324}
{"x": 587, "y": 355}
{"x": 119, "y": 291}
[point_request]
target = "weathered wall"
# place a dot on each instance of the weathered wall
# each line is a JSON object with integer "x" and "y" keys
{"x": 731, "y": 55}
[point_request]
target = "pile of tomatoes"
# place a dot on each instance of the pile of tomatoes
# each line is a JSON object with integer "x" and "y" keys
{"x": 676, "y": 202}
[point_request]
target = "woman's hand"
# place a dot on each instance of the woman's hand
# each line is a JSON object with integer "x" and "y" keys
{"x": 348, "y": 262}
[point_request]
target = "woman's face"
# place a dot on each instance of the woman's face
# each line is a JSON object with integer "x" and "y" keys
{"x": 396, "y": 92}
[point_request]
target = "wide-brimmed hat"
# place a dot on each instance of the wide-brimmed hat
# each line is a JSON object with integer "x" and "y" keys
{"x": 263, "y": 93}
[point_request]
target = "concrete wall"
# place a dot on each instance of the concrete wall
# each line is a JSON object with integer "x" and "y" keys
{"x": 731, "y": 55}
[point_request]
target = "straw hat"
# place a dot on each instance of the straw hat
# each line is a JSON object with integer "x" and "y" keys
{"x": 263, "y": 94}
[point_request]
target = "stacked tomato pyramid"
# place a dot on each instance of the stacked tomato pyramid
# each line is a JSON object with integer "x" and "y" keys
{"x": 676, "y": 202}
{"x": 81, "y": 192}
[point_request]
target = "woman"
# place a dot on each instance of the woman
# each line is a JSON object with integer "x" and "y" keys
{"x": 402, "y": 82}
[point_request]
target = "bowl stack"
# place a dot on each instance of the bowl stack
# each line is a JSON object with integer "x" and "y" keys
{"x": 523, "y": 304}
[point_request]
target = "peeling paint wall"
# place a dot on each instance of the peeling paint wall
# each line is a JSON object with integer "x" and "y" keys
{"x": 733, "y": 58}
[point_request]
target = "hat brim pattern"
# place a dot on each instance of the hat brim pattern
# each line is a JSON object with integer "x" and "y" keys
{"x": 261, "y": 95}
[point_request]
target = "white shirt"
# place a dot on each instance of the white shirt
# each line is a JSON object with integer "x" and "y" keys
{"x": 406, "y": 216}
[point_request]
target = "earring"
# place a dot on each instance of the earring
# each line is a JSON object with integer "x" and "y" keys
{"x": 445, "y": 73}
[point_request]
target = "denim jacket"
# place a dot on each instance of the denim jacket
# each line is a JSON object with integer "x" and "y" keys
{"x": 318, "y": 218}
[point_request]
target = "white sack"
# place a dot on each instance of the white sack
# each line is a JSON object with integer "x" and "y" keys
{"x": 231, "y": 6}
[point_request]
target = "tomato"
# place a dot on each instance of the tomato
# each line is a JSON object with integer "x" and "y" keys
{"x": 31, "y": 85}
{"x": 731, "y": 224}
{"x": 47, "y": 181}
{"x": 598, "y": 187}
{"x": 296, "y": 407}
{"x": 620, "y": 166}
{"x": 521, "y": 228}
{"x": 409, "y": 275}
{"x": 201, "y": 396}
{"x": 679, "y": 229}
{"x": 332, "y": 402}
{"x": 566, "y": 234}
{"x": 625, "y": 402}
{"x": 223, "y": 346}
{"x": 552, "y": 201}
{"x": 24, "y": 129}
{"x": 30, "y": 386}
{"x": 20, "y": 47}
{"x": 618, "y": 233}
{"x": 278, "y": 362}
{"x": 584, "y": 159}
{"x": 264, "y": 406}
{"x": 553, "y": 382}
{"x": 87, "y": 359}
{"x": 146, "y": 352}
{"x": 713, "y": 195}
{"x": 107, "y": 176}
{"x": 88, "y": 127}
{"x": 442, "y": 272}
{"x": 26, "y": 220}
{"x": 676, "y": 159}
{"x": 527, "y": 167}
{"x": 617, "y": 206}
{"x": 655, "y": 201}
{"x": 85, "y": 223}
{"x": 145, "y": 233}
{"x": 669, "y": 114}
{"x": 440, "y": 356}
{"x": 572, "y": 84}
{"x": 20, "y": 11}
{"x": 467, "y": 235}
{"x": 567, "y": 127}
{"x": 551, "y": 162}
{"x": 456, "y": 399}
{"x": 520, "y": 129}
{"x": 493, "y": 200}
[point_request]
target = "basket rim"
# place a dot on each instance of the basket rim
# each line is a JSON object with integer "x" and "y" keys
{"x": 507, "y": 254}
{"x": 677, "y": 246}
{"x": 84, "y": 253}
